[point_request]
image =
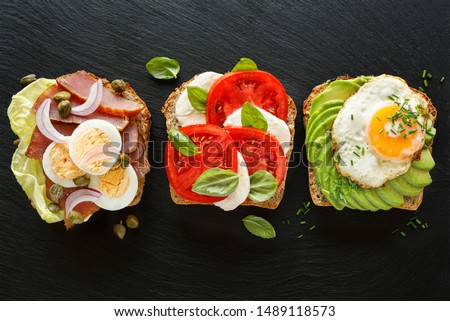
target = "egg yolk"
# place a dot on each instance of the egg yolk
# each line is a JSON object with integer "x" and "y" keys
{"x": 394, "y": 139}
{"x": 91, "y": 149}
{"x": 115, "y": 182}
{"x": 62, "y": 164}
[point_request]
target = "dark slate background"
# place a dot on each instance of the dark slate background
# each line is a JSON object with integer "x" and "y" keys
{"x": 200, "y": 252}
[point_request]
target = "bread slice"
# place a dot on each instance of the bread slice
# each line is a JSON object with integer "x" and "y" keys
{"x": 319, "y": 199}
{"x": 171, "y": 121}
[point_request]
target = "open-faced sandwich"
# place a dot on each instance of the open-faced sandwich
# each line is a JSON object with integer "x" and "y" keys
{"x": 83, "y": 145}
{"x": 368, "y": 143}
{"x": 230, "y": 138}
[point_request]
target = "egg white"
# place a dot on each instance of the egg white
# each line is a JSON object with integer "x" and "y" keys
{"x": 349, "y": 132}
{"x": 116, "y": 203}
{"x": 109, "y": 129}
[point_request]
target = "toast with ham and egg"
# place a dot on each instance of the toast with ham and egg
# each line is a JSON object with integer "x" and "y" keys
{"x": 180, "y": 115}
{"x": 94, "y": 157}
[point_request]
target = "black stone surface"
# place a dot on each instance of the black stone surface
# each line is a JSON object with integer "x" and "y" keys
{"x": 200, "y": 252}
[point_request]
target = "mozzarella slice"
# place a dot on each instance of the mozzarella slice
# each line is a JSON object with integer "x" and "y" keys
{"x": 276, "y": 126}
{"x": 185, "y": 113}
{"x": 243, "y": 189}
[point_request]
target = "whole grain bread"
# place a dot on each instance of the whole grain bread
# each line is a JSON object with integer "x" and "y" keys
{"x": 171, "y": 121}
{"x": 411, "y": 203}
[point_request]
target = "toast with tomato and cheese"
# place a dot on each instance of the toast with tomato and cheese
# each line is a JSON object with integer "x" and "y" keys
{"x": 83, "y": 145}
{"x": 239, "y": 122}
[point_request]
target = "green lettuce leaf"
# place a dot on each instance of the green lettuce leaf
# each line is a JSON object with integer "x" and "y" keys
{"x": 29, "y": 172}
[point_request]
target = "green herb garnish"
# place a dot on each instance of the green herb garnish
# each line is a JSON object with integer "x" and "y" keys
{"x": 216, "y": 182}
{"x": 252, "y": 117}
{"x": 245, "y": 64}
{"x": 163, "y": 68}
{"x": 259, "y": 227}
{"x": 197, "y": 97}
{"x": 263, "y": 186}
{"x": 182, "y": 143}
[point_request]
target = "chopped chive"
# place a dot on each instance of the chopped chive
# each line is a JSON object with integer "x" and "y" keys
{"x": 362, "y": 151}
{"x": 381, "y": 131}
{"x": 412, "y": 131}
{"x": 405, "y": 136}
{"x": 357, "y": 146}
{"x": 307, "y": 211}
{"x": 418, "y": 221}
{"x": 299, "y": 211}
{"x": 429, "y": 75}
{"x": 312, "y": 227}
{"x": 308, "y": 204}
{"x": 302, "y": 222}
{"x": 424, "y": 73}
{"x": 395, "y": 231}
{"x": 338, "y": 158}
{"x": 442, "y": 80}
{"x": 356, "y": 154}
{"x": 424, "y": 226}
{"x": 403, "y": 233}
{"x": 284, "y": 222}
{"x": 378, "y": 118}
{"x": 393, "y": 132}
{"x": 300, "y": 236}
{"x": 352, "y": 116}
{"x": 288, "y": 222}
{"x": 421, "y": 89}
{"x": 351, "y": 161}
{"x": 425, "y": 83}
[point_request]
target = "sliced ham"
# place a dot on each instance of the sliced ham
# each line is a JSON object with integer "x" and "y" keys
{"x": 138, "y": 160}
{"x": 120, "y": 122}
{"x": 130, "y": 137}
{"x": 79, "y": 84}
{"x": 39, "y": 142}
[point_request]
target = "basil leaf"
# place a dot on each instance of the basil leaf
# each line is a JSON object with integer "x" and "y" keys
{"x": 216, "y": 182}
{"x": 259, "y": 227}
{"x": 252, "y": 117}
{"x": 163, "y": 68}
{"x": 197, "y": 98}
{"x": 182, "y": 143}
{"x": 245, "y": 64}
{"x": 263, "y": 186}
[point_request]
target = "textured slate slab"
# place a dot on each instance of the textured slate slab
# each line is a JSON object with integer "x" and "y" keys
{"x": 201, "y": 252}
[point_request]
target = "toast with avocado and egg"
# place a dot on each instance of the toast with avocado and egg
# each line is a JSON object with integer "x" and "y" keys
{"x": 230, "y": 139}
{"x": 83, "y": 145}
{"x": 368, "y": 142}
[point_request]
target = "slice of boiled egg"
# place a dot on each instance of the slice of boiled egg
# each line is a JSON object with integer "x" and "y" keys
{"x": 275, "y": 126}
{"x": 94, "y": 146}
{"x": 58, "y": 165}
{"x": 118, "y": 186}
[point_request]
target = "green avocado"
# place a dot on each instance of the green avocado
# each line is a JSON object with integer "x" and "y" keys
{"x": 389, "y": 195}
{"x": 426, "y": 161}
{"x": 336, "y": 188}
{"x": 417, "y": 177}
{"x": 403, "y": 187}
{"x": 376, "y": 201}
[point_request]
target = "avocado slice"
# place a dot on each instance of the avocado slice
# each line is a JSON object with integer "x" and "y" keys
{"x": 389, "y": 195}
{"x": 325, "y": 106}
{"x": 417, "y": 177}
{"x": 362, "y": 200}
{"x": 376, "y": 201}
{"x": 328, "y": 178}
{"x": 426, "y": 161}
{"x": 403, "y": 187}
{"x": 338, "y": 89}
{"x": 311, "y": 140}
{"x": 351, "y": 203}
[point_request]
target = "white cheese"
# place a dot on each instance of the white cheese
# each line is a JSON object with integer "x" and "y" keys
{"x": 241, "y": 192}
{"x": 185, "y": 113}
{"x": 276, "y": 126}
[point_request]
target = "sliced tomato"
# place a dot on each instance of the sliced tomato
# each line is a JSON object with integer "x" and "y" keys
{"x": 217, "y": 149}
{"x": 233, "y": 89}
{"x": 261, "y": 151}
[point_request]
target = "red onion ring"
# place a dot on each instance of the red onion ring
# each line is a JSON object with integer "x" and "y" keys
{"x": 45, "y": 125}
{"x": 92, "y": 102}
{"x": 80, "y": 196}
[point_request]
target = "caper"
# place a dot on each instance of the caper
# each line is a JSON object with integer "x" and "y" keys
{"x": 62, "y": 95}
{"x": 54, "y": 208}
{"x": 118, "y": 85}
{"x": 64, "y": 108}
{"x": 132, "y": 221}
{"x": 81, "y": 181}
{"x": 17, "y": 142}
{"x": 28, "y": 79}
{"x": 120, "y": 230}
{"x": 75, "y": 217}
{"x": 124, "y": 160}
{"x": 56, "y": 192}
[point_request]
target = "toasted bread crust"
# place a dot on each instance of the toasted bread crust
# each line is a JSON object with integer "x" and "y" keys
{"x": 171, "y": 121}
{"x": 318, "y": 198}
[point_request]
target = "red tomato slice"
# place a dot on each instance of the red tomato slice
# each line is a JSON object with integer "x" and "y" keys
{"x": 260, "y": 150}
{"x": 217, "y": 149}
{"x": 233, "y": 89}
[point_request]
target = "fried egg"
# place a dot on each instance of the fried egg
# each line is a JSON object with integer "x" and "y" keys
{"x": 94, "y": 146}
{"x": 378, "y": 130}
